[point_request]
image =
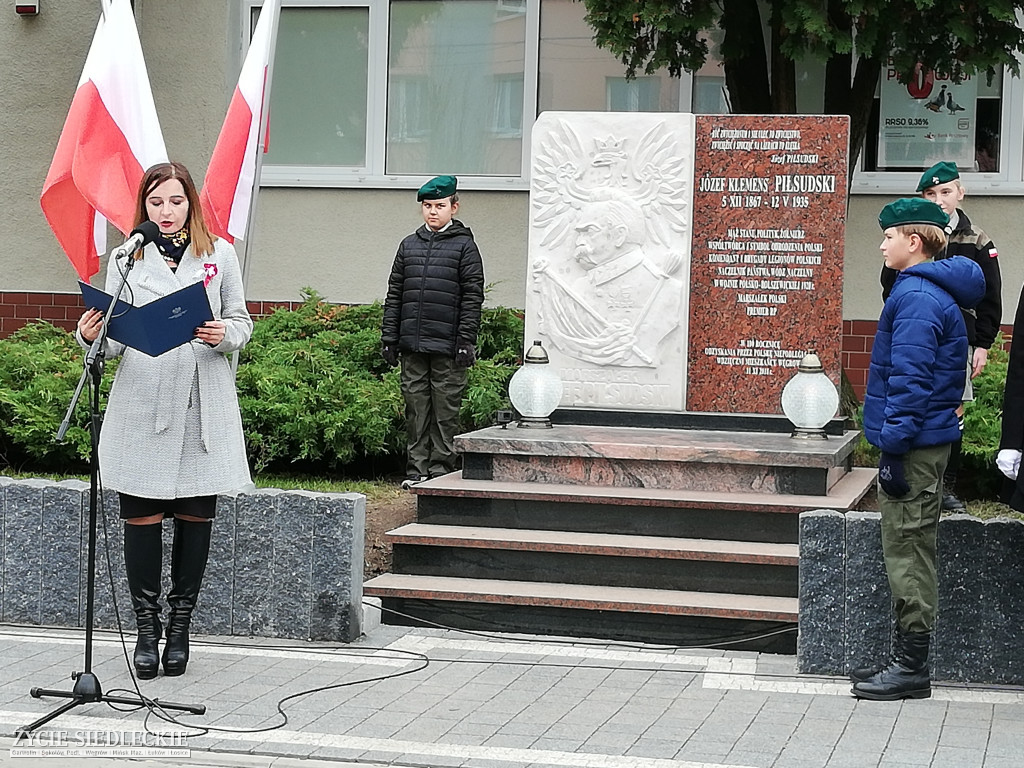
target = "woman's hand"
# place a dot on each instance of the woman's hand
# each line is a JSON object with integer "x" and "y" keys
{"x": 211, "y": 332}
{"x": 89, "y": 324}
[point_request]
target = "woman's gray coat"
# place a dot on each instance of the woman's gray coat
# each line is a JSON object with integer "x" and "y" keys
{"x": 172, "y": 427}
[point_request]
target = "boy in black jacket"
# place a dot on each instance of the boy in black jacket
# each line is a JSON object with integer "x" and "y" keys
{"x": 941, "y": 184}
{"x": 431, "y": 320}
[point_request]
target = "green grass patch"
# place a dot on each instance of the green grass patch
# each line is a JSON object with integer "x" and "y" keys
{"x": 985, "y": 509}
{"x": 374, "y": 490}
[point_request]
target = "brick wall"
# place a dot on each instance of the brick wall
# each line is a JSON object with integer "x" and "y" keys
{"x": 856, "y": 352}
{"x": 64, "y": 309}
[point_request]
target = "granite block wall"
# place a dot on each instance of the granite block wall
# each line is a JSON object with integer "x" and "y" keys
{"x": 845, "y": 617}
{"x": 283, "y": 564}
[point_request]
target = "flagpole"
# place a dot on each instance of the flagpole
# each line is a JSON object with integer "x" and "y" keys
{"x": 264, "y": 113}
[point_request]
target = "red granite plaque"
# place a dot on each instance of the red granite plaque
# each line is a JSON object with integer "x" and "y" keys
{"x": 766, "y": 275}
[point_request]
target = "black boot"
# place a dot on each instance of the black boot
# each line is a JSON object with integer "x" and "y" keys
{"x": 950, "y": 503}
{"x": 142, "y": 559}
{"x": 863, "y": 673}
{"x": 189, "y": 553}
{"x": 907, "y": 677}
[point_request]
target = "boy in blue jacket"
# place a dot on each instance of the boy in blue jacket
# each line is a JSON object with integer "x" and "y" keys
{"x": 915, "y": 385}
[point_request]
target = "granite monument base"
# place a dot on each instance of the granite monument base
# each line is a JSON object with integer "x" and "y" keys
{"x": 655, "y": 535}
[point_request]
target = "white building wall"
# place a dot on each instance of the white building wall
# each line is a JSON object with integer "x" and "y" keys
{"x": 1002, "y": 218}
{"x": 342, "y": 241}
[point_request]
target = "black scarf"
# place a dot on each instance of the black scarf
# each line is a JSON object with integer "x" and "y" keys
{"x": 172, "y": 247}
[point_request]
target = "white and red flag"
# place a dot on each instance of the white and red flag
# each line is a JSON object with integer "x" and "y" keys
{"x": 111, "y": 135}
{"x": 229, "y": 184}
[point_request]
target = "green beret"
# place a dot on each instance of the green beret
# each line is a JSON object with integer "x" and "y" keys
{"x": 940, "y": 173}
{"x": 912, "y": 210}
{"x": 437, "y": 188}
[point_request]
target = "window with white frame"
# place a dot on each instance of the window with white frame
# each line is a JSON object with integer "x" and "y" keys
{"x": 384, "y": 92}
{"x": 319, "y": 93}
{"x": 574, "y": 74}
{"x": 463, "y": 50}
{"x": 931, "y": 119}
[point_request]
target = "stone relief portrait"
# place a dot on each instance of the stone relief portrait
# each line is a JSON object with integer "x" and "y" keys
{"x": 612, "y": 221}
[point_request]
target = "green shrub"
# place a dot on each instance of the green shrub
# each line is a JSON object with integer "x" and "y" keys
{"x": 864, "y": 453}
{"x": 983, "y": 419}
{"x": 40, "y": 366}
{"x": 313, "y": 389}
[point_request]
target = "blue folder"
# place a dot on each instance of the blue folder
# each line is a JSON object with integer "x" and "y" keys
{"x": 156, "y": 327}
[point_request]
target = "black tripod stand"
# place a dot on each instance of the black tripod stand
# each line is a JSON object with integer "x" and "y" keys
{"x": 87, "y": 687}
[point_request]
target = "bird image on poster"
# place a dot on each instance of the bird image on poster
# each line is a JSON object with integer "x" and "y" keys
{"x": 926, "y": 121}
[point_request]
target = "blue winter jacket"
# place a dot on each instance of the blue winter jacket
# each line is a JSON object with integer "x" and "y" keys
{"x": 919, "y": 358}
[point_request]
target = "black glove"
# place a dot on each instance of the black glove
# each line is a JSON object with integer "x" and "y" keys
{"x": 465, "y": 355}
{"x": 390, "y": 354}
{"x": 890, "y": 475}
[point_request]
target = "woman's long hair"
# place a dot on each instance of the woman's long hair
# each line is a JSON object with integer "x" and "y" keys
{"x": 202, "y": 239}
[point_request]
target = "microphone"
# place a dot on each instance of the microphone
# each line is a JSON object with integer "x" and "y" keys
{"x": 140, "y": 236}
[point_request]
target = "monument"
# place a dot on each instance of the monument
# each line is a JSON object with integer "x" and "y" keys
{"x": 681, "y": 263}
{"x": 609, "y": 255}
{"x": 679, "y": 269}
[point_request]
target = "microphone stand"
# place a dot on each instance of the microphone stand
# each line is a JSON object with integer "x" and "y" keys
{"x": 87, "y": 687}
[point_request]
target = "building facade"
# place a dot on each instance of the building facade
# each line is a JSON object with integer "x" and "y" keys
{"x": 372, "y": 97}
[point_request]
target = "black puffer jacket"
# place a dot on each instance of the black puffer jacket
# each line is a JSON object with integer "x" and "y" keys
{"x": 967, "y": 240}
{"x": 435, "y": 291}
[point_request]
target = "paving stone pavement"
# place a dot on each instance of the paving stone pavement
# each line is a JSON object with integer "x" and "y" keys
{"x": 427, "y": 697}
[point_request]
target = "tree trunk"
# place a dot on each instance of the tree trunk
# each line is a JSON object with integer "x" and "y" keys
{"x": 783, "y": 70}
{"x": 746, "y": 64}
{"x": 862, "y": 94}
{"x": 838, "y": 77}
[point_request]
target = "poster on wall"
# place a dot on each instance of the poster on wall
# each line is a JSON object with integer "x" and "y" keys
{"x": 927, "y": 120}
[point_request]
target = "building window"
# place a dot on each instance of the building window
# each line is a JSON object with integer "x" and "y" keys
{"x": 385, "y": 92}
{"x": 464, "y": 52}
{"x": 574, "y": 74}
{"x": 915, "y": 125}
{"x": 318, "y": 100}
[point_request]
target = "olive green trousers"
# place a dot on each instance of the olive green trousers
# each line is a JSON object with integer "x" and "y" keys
{"x": 433, "y": 387}
{"x": 909, "y": 527}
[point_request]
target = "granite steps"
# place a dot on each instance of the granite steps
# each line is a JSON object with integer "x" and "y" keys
{"x": 613, "y": 537}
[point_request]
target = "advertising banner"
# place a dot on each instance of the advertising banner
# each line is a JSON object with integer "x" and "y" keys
{"x": 926, "y": 120}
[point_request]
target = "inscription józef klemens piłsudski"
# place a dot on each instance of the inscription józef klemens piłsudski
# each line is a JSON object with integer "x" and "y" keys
{"x": 766, "y": 273}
